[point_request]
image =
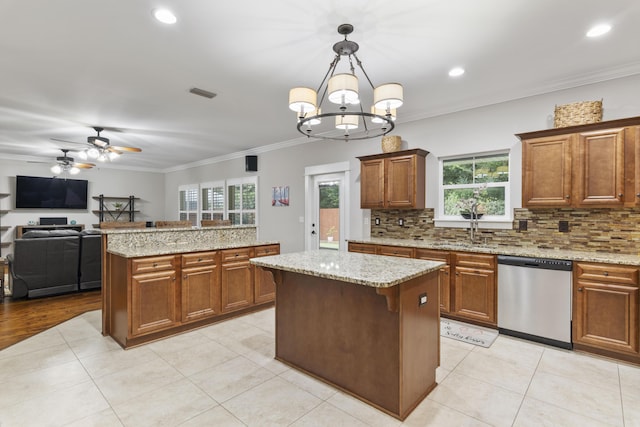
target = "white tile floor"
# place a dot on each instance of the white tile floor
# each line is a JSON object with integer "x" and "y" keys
{"x": 225, "y": 375}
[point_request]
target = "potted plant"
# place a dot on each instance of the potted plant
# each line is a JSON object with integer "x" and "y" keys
{"x": 118, "y": 206}
{"x": 330, "y": 232}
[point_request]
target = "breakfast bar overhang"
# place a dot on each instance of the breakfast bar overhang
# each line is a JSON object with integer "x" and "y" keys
{"x": 367, "y": 324}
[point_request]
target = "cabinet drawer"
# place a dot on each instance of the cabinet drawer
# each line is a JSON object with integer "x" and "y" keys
{"x": 240, "y": 254}
{"x": 433, "y": 255}
{"x": 395, "y": 251}
{"x": 484, "y": 261}
{"x": 148, "y": 265}
{"x": 362, "y": 248}
{"x": 198, "y": 258}
{"x": 267, "y": 250}
{"x": 607, "y": 273}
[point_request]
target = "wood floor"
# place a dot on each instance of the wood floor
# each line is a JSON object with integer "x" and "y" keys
{"x": 21, "y": 319}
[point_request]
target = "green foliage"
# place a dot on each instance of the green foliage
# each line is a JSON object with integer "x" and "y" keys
{"x": 329, "y": 196}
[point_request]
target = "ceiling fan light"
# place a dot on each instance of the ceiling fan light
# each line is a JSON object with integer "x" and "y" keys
{"x": 83, "y": 154}
{"x": 102, "y": 157}
{"x": 382, "y": 112}
{"x": 343, "y": 89}
{"x": 113, "y": 155}
{"x": 389, "y": 95}
{"x": 302, "y": 100}
{"x": 56, "y": 169}
{"x": 93, "y": 153}
{"x": 74, "y": 170}
{"x": 347, "y": 122}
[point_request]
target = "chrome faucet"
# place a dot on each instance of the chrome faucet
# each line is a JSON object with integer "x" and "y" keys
{"x": 473, "y": 221}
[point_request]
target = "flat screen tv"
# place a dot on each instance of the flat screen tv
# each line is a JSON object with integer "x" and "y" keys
{"x": 50, "y": 193}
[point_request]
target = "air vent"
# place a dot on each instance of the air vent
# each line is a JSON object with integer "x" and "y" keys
{"x": 202, "y": 92}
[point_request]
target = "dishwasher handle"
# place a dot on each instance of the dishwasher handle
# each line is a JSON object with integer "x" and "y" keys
{"x": 531, "y": 262}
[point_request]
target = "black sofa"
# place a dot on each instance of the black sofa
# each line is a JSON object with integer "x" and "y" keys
{"x": 52, "y": 262}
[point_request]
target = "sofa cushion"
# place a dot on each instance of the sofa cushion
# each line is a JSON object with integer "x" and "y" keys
{"x": 37, "y": 234}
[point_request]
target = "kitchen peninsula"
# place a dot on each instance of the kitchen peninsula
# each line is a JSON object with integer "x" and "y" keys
{"x": 159, "y": 282}
{"x": 367, "y": 324}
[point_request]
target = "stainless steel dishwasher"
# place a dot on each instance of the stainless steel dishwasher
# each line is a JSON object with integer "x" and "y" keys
{"x": 534, "y": 299}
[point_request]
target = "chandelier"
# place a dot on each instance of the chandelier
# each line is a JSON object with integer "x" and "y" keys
{"x": 343, "y": 117}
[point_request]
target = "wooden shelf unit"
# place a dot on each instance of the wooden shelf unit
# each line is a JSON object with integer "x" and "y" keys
{"x": 5, "y": 227}
{"x": 128, "y": 208}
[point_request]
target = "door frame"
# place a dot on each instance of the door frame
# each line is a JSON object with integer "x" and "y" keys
{"x": 310, "y": 172}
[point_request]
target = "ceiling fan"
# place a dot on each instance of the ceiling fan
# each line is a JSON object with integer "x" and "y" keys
{"x": 100, "y": 148}
{"x": 67, "y": 164}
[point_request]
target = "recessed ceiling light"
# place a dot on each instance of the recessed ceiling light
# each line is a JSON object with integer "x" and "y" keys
{"x": 165, "y": 16}
{"x": 456, "y": 72}
{"x": 599, "y": 30}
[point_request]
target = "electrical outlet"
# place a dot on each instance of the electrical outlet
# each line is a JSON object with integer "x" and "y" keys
{"x": 401, "y": 222}
{"x": 522, "y": 225}
{"x": 377, "y": 221}
{"x": 422, "y": 299}
{"x": 563, "y": 226}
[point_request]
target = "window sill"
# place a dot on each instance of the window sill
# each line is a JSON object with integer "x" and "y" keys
{"x": 505, "y": 224}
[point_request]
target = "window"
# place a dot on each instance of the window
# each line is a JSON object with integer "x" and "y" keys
{"x": 481, "y": 178}
{"x": 241, "y": 201}
{"x": 212, "y": 196}
{"x": 189, "y": 203}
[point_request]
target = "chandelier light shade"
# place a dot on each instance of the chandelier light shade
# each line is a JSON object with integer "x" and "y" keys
{"x": 302, "y": 100}
{"x": 343, "y": 89}
{"x": 348, "y": 118}
{"x": 387, "y": 96}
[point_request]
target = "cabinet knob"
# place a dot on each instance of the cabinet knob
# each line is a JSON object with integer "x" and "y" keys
{"x": 620, "y": 195}
{"x": 579, "y": 289}
{"x": 184, "y": 277}
{"x": 155, "y": 264}
{"x": 606, "y": 273}
{"x": 567, "y": 197}
{"x": 638, "y": 195}
{"x": 199, "y": 259}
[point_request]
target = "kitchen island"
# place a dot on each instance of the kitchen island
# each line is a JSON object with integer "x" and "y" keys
{"x": 367, "y": 324}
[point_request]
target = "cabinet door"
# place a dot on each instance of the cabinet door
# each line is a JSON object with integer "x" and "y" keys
{"x": 237, "y": 285}
{"x": 475, "y": 294}
{"x": 154, "y": 302}
{"x": 372, "y": 184}
{"x": 401, "y": 186}
{"x": 398, "y": 251}
{"x": 546, "y": 171}
{"x": 200, "y": 292}
{"x": 606, "y": 316}
{"x": 599, "y": 169}
{"x": 264, "y": 289}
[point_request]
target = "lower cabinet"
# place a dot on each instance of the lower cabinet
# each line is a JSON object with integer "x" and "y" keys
{"x": 606, "y": 309}
{"x": 444, "y": 276}
{"x": 236, "y": 279}
{"x": 264, "y": 286}
{"x": 475, "y": 287}
{"x": 154, "y": 295}
{"x": 200, "y": 286}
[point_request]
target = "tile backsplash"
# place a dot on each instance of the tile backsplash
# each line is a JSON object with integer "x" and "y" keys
{"x": 592, "y": 230}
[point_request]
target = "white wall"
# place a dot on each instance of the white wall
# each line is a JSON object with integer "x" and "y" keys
{"x": 110, "y": 182}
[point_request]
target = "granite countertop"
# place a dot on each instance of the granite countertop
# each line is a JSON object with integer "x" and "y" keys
{"x": 572, "y": 255}
{"x": 169, "y": 248}
{"x": 362, "y": 269}
{"x": 167, "y": 230}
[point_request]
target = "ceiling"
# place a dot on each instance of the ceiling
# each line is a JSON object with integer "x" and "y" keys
{"x": 68, "y": 65}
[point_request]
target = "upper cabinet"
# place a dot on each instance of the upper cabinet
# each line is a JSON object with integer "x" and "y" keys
{"x": 393, "y": 180}
{"x": 594, "y": 165}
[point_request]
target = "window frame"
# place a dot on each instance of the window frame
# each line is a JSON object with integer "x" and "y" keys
{"x": 241, "y": 181}
{"x": 488, "y": 221}
{"x": 187, "y": 212}
{"x": 211, "y": 185}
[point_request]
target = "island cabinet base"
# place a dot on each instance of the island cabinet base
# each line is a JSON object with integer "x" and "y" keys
{"x": 380, "y": 345}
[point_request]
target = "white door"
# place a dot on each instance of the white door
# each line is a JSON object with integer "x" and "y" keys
{"x": 326, "y": 210}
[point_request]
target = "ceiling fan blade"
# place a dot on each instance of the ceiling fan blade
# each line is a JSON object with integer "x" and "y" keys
{"x": 120, "y": 148}
{"x": 84, "y": 165}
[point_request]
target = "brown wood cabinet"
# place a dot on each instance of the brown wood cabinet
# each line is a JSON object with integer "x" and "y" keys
{"x": 475, "y": 287}
{"x": 236, "y": 279}
{"x": 468, "y": 294}
{"x": 582, "y": 166}
{"x": 393, "y": 180}
{"x": 444, "y": 275}
{"x": 200, "y": 286}
{"x": 154, "y": 295}
{"x": 264, "y": 286}
{"x": 606, "y": 309}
